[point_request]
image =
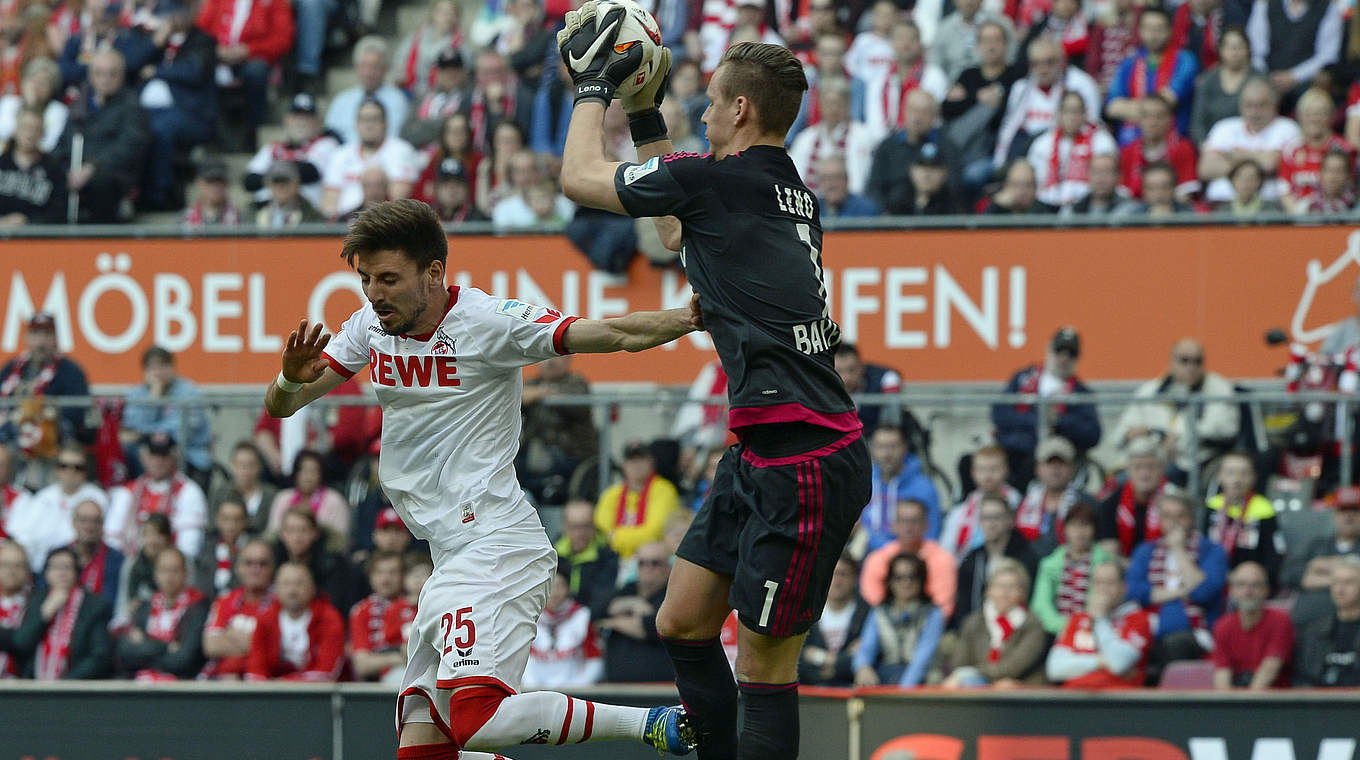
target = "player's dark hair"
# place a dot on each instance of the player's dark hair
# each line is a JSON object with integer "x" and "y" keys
{"x": 770, "y": 77}
{"x": 406, "y": 225}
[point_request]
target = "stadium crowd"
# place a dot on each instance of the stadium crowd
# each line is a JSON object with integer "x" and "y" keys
{"x": 1101, "y": 107}
{"x": 127, "y": 551}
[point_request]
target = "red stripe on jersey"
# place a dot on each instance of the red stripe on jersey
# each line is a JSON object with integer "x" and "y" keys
{"x": 560, "y": 335}
{"x": 339, "y": 368}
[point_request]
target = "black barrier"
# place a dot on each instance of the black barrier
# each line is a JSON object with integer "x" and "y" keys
{"x": 1055, "y": 725}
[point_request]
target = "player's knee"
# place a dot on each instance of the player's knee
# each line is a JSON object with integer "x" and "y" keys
{"x": 669, "y": 623}
{"x": 470, "y": 709}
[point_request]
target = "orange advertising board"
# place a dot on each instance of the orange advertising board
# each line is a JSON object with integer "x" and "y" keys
{"x": 939, "y": 305}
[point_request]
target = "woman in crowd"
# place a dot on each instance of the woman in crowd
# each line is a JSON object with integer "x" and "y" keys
{"x": 455, "y": 141}
{"x": 310, "y": 493}
{"x": 415, "y": 60}
{"x": 153, "y": 537}
{"x": 1001, "y": 644}
{"x": 1217, "y": 89}
{"x": 493, "y": 174}
{"x": 1248, "y": 179}
{"x": 165, "y": 640}
{"x": 214, "y": 568}
{"x": 300, "y": 540}
{"x": 901, "y": 634}
{"x": 247, "y": 485}
{"x": 65, "y": 632}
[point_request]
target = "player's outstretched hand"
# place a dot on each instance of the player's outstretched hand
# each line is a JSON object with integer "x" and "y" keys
{"x": 652, "y": 93}
{"x": 696, "y": 315}
{"x": 302, "y": 359}
{"x": 597, "y": 67}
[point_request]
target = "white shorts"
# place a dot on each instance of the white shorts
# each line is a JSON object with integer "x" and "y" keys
{"x": 475, "y": 620}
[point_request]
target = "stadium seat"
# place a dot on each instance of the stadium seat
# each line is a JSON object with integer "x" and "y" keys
{"x": 1188, "y": 674}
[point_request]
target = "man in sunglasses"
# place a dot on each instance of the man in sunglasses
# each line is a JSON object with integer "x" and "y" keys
{"x": 45, "y": 521}
{"x": 1169, "y": 419}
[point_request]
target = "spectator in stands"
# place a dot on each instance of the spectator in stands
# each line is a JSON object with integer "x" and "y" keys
{"x": 1310, "y": 570}
{"x": 212, "y": 205}
{"x": 497, "y": 97}
{"x": 1019, "y": 192}
{"x": 871, "y": 53}
{"x": 180, "y": 99}
{"x": 371, "y": 61}
{"x": 1043, "y": 512}
{"x": 1253, "y": 644}
{"x": 592, "y": 565}
{"x": 1260, "y": 134}
{"x": 1159, "y": 194}
{"x": 565, "y": 651}
{"x": 885, "y": 106}
{"x": 1218, "y": 90}
{"x": 1154, "y": 68}
{"x": 976, "y": 103}
{"x": 497, "y": 175}
{"x": 372, "y": 147}
{"x": 1294, "y": 41}
{"x": 986, "y": 471}
{"x": 368, "y": 648}
{"x": 453, "y": 198}
{"x": 389, "y": 534}
{"x": 682, "y": 137}
{"x": 540, "y": 204}
{"x": 1248, "y": 180}
{"x": 1168, "y": 420}
{"x": 909, "y": 526}
{"x": 419, "y": 53}
{"x": 1158, "y": 142}
{"x": 102, "y": 31}
{"x": 300, "y": 541}
{"x": 304, "y": 144}
{"x": 556, "y": 439}
{"x": 900, "y": 636}
{"x": 65, "y": 631}
{"x": 833, "y": 641}
{"x": 32, "y": 183}
{"x": 821, "y": 19}
{"x": 99, "y": 567}
{"x": 449, "y": 94}
{"x": 246, "y": 485}
{"x": 40, "y": 372}
{"x": 1242, "y": 521}
{"x": 930, "y": 191}
{"x": 1066, "y": 23}
{"x": 860, "y": 376}
{"x": 11, "y": 493}
{"x": 1179, "y": 577}
{"x": 144, "y": 415}
{"x": 1032, "y": 104}
{"x": 1197, "y": 26}
{"x": 1328, "y": 652}
{"x": 830, "y": 65}
{"x": 302, "y": 638}
{"x": 1000, "y": 644}
{"x": 833, "y": 191}
{"x": 1056, "y": 379}
{"x": 152, "y": 538}
{"x": 455, "y": 141}
{"x": 958, "y": 41}
{"x": 16, "y": 583}
{"x": 1129, "y": 516}
{"x": 44, "y": 521}
{"x": 373, "y": 186}
{"x": 1063, "y": 580}
{"x": 835, "y": 134}
{"x": 1105, "y": 645}
{"x": 1000, "y": 540}
{"x": 213, "y": 568}
{"x": 1335, "y": 193}
{"x": 401, "y": 613}
{"x": 633, "y": 650}
{"x": 1061, "y": 157}
{"x": 249, "y": 48}
{"x": 287, "y": 207}
{"x": 165, "y": 639}
{"x": 889, "y": 182}
{"x": 1301, "y": 162}
{"x": 1112, "y": 39}
{"x": 310, "y": 492}
{"x": 897, "y": 476}
{"x": 632, "y": 511}
{"x": 235, "y": 614}
{"x": 38, "y": 89}
{"x": 116, "y": 137}
{"x": 161, "y": 489}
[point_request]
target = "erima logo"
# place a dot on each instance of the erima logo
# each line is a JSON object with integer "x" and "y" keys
{"x": 638, "y": 171}
{"x": 464, "y": 663}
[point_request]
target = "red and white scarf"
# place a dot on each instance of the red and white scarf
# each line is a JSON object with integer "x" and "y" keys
{"x": 1075, "y": 583}
{"x": 164, "y": 616}
{"x": 454, "y": 41}
{"x": 1126, "y": 517}
{"x": 1227, "y": 530}
{"x": 621, "y": 517}
{"x": 1029, "y": 383}
{"x": 896, "y": 87}
{"x": 54, "y": 651}
{"x": 1157, "y": 575}
{"x": 828, "y": 141}
{"x": 197, "y": 216}
{"x": 147, "y": 502}
{"x": 480, "y": 120}
{"x": 11, "y": 614}
{"x": 1032, "y": 518}
{"x": 10, "y": 383}
{"x": 92, "y": 576}
{"x": 223, "y": 554}
{"x": 1076, "y": 168}
{"x": 1138, "y": 76}
{"x": 1180, "y": 34}
{"x": 1000, "y": 627}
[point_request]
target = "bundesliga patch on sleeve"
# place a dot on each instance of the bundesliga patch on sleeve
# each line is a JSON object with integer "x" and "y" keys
{"x": 638, "y": 171}
{"x": 527, "y": 312}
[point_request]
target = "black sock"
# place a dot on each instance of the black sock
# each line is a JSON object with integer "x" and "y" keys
{"x": 708, "y": 692}
{"x": 769, "y": 723}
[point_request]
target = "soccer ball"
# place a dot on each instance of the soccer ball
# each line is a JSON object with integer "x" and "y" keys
{"x": 639, "y": 28}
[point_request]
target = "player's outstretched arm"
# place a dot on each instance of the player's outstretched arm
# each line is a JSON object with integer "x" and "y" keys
{"x": 306, "y": 375}
{"x": 638, "y": 331}
{"x": 587, "y": 176}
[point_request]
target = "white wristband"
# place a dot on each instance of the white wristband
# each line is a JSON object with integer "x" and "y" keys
{"x": 286, "y": 385}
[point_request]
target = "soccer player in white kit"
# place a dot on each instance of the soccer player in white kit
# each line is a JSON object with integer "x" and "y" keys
{"x": 445, "y": 364}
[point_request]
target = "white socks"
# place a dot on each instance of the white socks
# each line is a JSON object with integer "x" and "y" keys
{"x": 545, "y": 717}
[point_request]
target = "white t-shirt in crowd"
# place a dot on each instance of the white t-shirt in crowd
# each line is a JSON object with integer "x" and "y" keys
{"x": 347, "y": 164}
{"x": 1232, "y": 134}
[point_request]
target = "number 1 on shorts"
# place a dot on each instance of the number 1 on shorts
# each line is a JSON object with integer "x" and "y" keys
{"x": 771, "y": 588}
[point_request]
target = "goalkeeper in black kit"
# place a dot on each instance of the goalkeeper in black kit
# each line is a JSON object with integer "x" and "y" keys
{"x": 787, "y": 495}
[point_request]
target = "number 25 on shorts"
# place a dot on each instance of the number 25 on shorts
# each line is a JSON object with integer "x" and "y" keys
{"x": 460, "y": 621}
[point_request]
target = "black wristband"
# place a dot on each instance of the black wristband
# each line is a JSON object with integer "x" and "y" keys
{"x": 597, "y": 90}
{"x": 647, "y": 127}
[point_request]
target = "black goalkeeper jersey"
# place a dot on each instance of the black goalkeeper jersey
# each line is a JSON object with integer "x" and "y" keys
{"x": 752, "y": 250}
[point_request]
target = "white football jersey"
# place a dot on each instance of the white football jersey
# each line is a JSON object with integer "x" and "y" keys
{"x": 451, "y": 410}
